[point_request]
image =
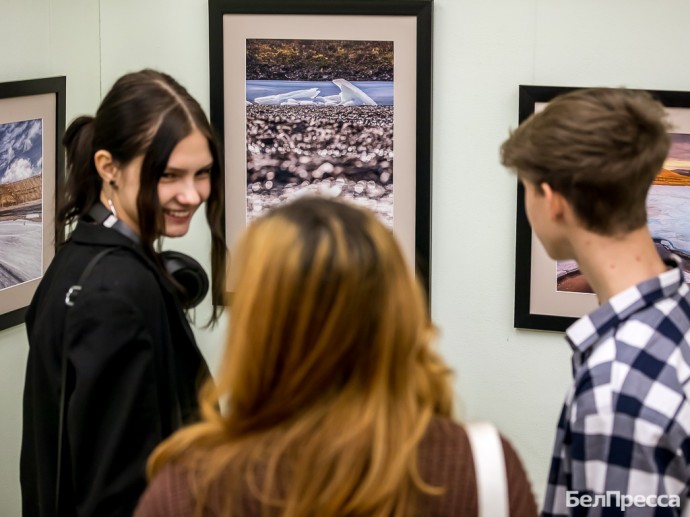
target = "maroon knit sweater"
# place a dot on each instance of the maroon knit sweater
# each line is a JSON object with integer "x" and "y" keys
{"x": 444, "y": 460}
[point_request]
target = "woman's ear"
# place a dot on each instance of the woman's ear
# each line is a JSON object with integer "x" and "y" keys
{"x": 105, "y": 165}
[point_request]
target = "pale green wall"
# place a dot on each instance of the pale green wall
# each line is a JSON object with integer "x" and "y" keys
{"x": 482, "y": 51}
{"x": 40, "y": 38}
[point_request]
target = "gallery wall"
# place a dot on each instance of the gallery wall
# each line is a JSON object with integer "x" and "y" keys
{"x": 41, "y": 38}
{"x": 482, "y": 52}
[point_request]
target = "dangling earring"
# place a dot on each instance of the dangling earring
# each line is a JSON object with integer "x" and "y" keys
{"x": 110, "y": 201}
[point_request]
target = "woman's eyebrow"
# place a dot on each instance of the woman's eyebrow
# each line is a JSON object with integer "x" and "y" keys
{"x": 176, "y": 169}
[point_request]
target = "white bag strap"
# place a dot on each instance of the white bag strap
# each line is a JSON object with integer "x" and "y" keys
{"x": 489, "y": 468}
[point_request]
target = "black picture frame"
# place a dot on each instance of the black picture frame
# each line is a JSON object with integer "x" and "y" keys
{"x": 22, "y": 105}
{"x": 342, "y": 15}
{"x": 532, "y": 265}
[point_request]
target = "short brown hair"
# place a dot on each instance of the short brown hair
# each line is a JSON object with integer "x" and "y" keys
{"x": 601, "y": 148}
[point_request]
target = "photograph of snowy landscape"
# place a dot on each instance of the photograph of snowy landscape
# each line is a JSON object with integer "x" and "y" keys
{"x": 319, "y": 119}
{"x": 21, "y": 208}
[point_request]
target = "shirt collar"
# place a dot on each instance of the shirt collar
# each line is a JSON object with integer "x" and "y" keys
{"x": 585, "y": 332}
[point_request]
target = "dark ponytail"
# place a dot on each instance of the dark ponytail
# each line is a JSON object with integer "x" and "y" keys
{"x": 83, "y": 184}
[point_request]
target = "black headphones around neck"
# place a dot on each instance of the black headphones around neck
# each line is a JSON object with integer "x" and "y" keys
{"x": 186, "y": 271}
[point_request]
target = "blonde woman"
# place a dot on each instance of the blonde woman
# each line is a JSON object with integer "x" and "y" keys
{"x": 330, "y": 400}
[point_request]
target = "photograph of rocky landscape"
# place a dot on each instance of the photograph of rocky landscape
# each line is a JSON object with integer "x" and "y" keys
{"x": 319, "y": 120}
{"x": 21, "y": 175}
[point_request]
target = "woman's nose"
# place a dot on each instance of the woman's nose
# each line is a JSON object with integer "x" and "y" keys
{"x": 189, "y": 193}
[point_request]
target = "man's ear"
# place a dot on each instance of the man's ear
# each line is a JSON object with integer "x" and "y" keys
{"x": 558, "y": 206}
{"x": 105, "y": 165}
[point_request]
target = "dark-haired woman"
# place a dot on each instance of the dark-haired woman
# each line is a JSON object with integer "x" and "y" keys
{"x": 113, "y": 368}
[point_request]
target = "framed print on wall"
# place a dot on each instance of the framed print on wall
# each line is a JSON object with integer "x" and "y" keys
{"x": 551, "y": 295}
{"x": 32, "y": 120}
{"x": 331, "y": 98}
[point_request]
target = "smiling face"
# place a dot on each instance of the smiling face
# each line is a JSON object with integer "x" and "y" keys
{"x": 185, "y": 183}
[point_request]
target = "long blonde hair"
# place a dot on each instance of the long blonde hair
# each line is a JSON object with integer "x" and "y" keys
{"x": 328, "y": 381}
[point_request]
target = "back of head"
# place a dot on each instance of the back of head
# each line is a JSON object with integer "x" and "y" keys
{"x": 601, "y": 148}
{"x": 324, "y": 302}
{"x": 328, "y": 365}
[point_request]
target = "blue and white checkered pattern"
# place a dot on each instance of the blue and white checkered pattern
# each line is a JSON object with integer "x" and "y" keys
{"x": 625, "y": 424}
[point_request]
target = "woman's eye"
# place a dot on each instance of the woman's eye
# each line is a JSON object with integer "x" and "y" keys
{"x": 204, "y": 172}
{"x": 168, "y": 175}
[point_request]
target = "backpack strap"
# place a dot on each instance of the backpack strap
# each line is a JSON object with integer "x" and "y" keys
{"x": 489, "y": 468}
{"x": 70, "y": 297}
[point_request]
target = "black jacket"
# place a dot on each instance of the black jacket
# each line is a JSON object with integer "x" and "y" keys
{"x": 133, "y": 374}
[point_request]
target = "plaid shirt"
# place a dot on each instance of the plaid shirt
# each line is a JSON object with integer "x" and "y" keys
{"x": 625, "y": 424}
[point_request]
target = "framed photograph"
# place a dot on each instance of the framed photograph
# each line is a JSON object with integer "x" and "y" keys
{"x": 32, "y": 120}
{"x": 551, "y": 295}
{"x": 329, "y": 98}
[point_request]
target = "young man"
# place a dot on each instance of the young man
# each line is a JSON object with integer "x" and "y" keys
{"x": 623, "y": 440}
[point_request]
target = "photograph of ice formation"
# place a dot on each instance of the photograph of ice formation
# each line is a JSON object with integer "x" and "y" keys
{"x": 319, "y": 120}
